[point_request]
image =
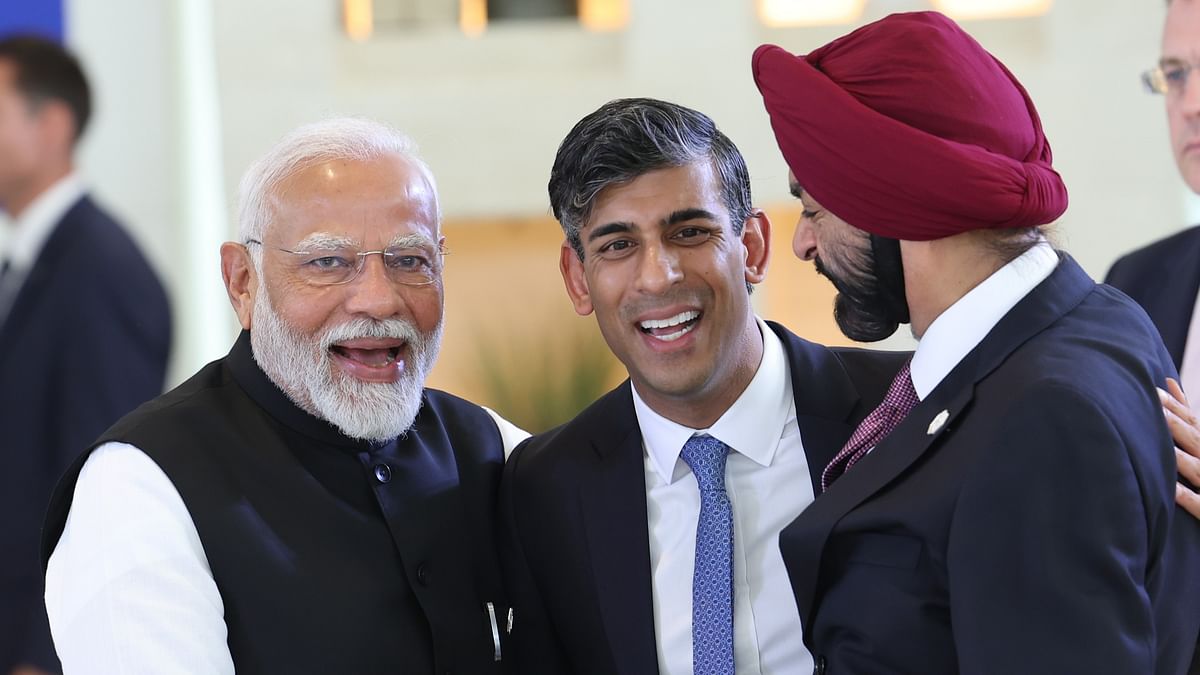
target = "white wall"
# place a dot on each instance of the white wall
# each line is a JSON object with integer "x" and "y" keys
{"x": 489, "y": 112}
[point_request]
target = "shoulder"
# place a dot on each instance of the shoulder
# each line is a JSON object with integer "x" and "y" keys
{"x": 1150, "y": 259}
{"x": 609, "y": 420}
{"x": 855, "y": 361}
{"x": 185, "y": 411}
{"x": 464, "y": 420}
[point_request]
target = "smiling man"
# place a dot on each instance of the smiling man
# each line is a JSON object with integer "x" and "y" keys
{"x": 303, "y": 505}
{"x": 641, "y": 537}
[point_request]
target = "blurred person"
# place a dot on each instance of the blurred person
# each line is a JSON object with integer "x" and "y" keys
{"x": 1010, "y": 507}
{"x": 1164, "y": 277}
{"x": 641, "y": 537}
{"x": 84, "y": 322}
{"x": 305, "y": 504}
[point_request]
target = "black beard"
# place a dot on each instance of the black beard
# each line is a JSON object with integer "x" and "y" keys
{"x": 870, "y": 303}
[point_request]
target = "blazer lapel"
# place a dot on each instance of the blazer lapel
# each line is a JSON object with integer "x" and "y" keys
{"x": 1177, "y": 300}
{"x": 825, "y": 400}
{"x": 43, "y": 270}
{"x": 613, "y": 505}
{"x": 926, "y": 424}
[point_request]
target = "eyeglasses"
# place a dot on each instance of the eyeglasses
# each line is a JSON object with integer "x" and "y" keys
{"x": 408, "y": 265}
{"x": 1169, "y": 76}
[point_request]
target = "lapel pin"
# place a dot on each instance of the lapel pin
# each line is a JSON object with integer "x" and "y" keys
{"x": 938, "y": 422}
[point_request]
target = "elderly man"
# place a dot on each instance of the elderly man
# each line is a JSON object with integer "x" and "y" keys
{"x": 1010, "y": 507}
{"x": 84, "y": 322}
{"x": 641, "y": 537}
{"x": 1164, "y": 277}
{"x": 302, "y": 505}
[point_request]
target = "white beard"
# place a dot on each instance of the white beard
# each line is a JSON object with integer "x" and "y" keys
{"x": 305, "y": 372}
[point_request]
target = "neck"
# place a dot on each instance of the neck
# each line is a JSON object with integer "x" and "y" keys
{"x": 700, "y": 410}
{"x": 24, "y": 194}
{"x": 939, "y": 273}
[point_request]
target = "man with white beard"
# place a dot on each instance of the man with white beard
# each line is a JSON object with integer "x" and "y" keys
{"x": 303, "y": 505}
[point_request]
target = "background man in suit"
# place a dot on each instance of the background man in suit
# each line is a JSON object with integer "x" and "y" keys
{"x": 303, "y": 505}
{"x": 84, "y": 323}
{"x": 641, "y": 537}
{"x": 1164, "y": 277}
{"x": 1016, "y": 512}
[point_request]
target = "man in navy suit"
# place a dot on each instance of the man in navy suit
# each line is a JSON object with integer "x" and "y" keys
{"x": 641, "y": 537}
{"x": 1164, "y": 277}
{"x": 84, "y": 323}
{"x": 1009, "y": 508}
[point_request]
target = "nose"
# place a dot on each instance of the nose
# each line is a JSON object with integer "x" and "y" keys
{"x": 373, "y": 294}
{"x": 804, "y": 241}
{"x": 658, "y": 269}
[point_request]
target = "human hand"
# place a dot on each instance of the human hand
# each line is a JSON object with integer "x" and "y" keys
{"x": 1185, "y": 428}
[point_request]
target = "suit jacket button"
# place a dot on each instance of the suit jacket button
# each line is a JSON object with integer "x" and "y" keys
{"x": 383, "y": 473}
{"x": 422, "y": 575}
{"x": 819, "y": 666}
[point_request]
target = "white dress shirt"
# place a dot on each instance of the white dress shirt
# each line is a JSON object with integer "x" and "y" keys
{"x": 29, "y": 232}
{"x": 768, "y": 482}
{"x": 128, "y": 588}
{"x": 963, "y": 325}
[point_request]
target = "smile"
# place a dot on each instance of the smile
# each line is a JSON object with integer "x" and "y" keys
{"x": 374, "y": 358}
{"x": 370, "y": 359}
{"x": 671, "y": 328}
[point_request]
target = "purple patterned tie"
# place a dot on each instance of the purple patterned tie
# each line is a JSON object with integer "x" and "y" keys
{"x": 901, "y": 398}
{"x": 712, "y": 580}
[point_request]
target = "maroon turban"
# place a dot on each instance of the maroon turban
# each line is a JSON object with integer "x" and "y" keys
{"x": 908, "y": 129}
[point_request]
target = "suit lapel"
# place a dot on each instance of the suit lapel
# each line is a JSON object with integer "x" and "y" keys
{"x": 926, "y": 424}
{"x": 43, "y": 270}
{"x": 613, "y": 505}
{"x": 825, "y": 400}
{"x": 1178, "y": 300}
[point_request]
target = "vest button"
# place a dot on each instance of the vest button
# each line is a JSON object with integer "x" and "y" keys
{"x": 819, "y": 666}
{"x": 383, "y": 473}
{"x": 422, "y": 575}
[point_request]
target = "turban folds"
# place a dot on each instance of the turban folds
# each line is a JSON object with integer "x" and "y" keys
{"x": 907, "y": 128}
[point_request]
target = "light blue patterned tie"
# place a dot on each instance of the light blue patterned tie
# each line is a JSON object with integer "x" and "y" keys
{"x": 712, "y": 581}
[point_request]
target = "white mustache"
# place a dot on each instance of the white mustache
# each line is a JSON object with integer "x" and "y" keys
{"x": 396, "y": 329}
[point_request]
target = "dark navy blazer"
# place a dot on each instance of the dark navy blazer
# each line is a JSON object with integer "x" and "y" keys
{"x": 85, "y": 341}
{"x": 1164, "y": 279}
{"x": 1021, "y": 519}
{"x": 575, "y": 541}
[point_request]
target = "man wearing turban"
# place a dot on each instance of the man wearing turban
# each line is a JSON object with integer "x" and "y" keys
{"x": 1009, "y": 508}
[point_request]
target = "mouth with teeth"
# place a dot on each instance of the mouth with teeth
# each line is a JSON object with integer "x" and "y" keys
{"x": 373, "y": 360}
{"x": 671, "y": 328}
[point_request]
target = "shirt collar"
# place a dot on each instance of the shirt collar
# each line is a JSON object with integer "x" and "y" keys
{"x": 964, "y": 324}
{"x": 31, "y": 229}
{"x": 751, "y": 426}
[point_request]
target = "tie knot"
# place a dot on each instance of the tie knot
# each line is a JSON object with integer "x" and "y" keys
{"x": 706, "y": 456}
{"x": 902, "y": 395}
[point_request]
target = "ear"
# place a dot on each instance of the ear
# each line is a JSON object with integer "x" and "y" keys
{"x": 576, "y": 281}
{"x": 241, "y": 280}
{"x": 756, "y": 238}
{"x": 57, "y": 123}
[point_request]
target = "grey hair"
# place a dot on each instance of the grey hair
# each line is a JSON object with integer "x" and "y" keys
{"x": 338, "y": 138}
{"x": 629, "y": 137}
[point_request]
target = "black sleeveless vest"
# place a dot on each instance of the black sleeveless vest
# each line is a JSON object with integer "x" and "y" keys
{"x": 331, "y": 555}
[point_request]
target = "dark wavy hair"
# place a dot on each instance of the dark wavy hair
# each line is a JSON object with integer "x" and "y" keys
{"x": 629, "y": 137}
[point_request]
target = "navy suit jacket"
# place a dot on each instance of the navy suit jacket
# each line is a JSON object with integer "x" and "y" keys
{"x": 85, "y": 341}
{"x": 1030, "y": 527}
{"x": 1164, "y": 278}
{"x": 575, "y": 538}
